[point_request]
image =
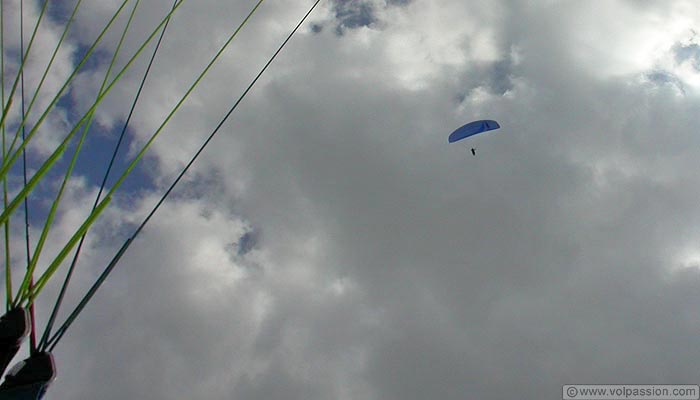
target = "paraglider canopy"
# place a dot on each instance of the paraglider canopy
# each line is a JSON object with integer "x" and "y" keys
{"x": 473, "y": 128}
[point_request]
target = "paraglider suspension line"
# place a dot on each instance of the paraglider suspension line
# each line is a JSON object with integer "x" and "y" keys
{"x": 32, "y": 334}
{"x": 51, "y": 343}
{"x": 43, "y": 344}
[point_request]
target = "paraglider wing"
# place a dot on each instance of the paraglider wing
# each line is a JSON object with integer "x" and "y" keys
{"x": 473, "y": 128}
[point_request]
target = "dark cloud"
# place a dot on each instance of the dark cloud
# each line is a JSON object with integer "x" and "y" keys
{"x": 353, "y": 14}
{"x": 316, "y": 28}
{"x": 662, "y": 78}
{"x": 688, "y": 53}
{"x": 248, "y": 242}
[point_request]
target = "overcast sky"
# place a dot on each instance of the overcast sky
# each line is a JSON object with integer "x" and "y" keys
{"x": 330, "y": 243}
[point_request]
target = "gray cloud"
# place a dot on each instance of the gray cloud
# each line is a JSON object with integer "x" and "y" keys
{"x": 690, "y": 52}
{"x": 353, "y": 14}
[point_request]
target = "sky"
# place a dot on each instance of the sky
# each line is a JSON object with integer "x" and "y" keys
{"x": 330, "y": 244}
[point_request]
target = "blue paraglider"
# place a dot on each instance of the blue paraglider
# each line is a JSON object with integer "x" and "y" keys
{"x": 473, "y": 128}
